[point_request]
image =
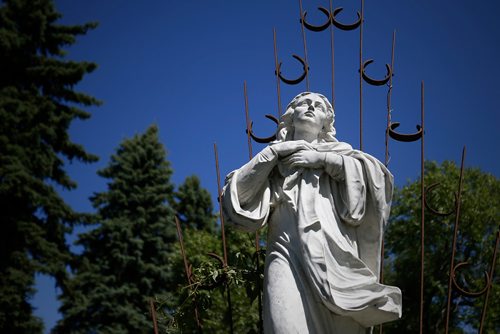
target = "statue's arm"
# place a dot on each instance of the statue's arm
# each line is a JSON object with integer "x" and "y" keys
{"x": 348, "y": 186}
{"x": 256, "y": 172}
{"x": 334, "y": 165}
{"x": 254, "y": 175}
{"x": 246, "y": 196}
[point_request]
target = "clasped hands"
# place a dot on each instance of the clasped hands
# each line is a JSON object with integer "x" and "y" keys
{"x": 301, "y": 154}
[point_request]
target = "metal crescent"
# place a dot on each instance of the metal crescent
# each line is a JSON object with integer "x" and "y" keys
{"x": 464, "y": 292}
{"x": 221, "y": 279}
{"x": 342, "y": 26}
{"x": 431, "y": 209}
{"x": 404, "y": 137}
{"x": 319, "y": 27}
{"x": 372, "y": 81}
{"x": 299, "y": 79}
{"x": 266, "y": 139}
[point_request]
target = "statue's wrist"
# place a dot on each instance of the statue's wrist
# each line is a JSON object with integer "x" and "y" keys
{"x": 269, "y": 154}
{"x": 334, "y": 164}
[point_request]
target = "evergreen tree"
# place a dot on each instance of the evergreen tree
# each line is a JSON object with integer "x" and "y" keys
{"x": 478, "y": 224}
{"x": 194, "y": 205}
{"x": 126, "y": 259}
{"x": 37, "y": 106}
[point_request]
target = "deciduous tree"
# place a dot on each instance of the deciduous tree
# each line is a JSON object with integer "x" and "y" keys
{"x": 478, "y": 224}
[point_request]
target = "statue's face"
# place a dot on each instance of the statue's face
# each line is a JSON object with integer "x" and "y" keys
{"x": 310, "y": 114}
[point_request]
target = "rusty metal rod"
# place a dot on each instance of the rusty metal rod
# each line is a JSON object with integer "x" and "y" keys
{"x": 183, "y": 253}
{"x": 250, "y": 153}
{"x": 223, "y": 232}
{"x": 389, "y": 119}
{"x": 219, "y": 194}
{"x": 389, "y": 93}
{"x": 492, "y": 272}
{"x": 305, "y": 44}
{"x": 153, "y": 315}
{"x": 454, "y": 244}
{"x": 247, "y": 117}
{"x": 422, "y": 206}
{"x": 276, "y": 66}
{"x": 187, "y": 270}
{"x": 389, "y": 101}
{"x": 361, "y": 75}
{"x": 257, "y": 235}
{"x": 332, "y": 51}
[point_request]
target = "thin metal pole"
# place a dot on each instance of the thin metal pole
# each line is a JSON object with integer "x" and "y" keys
{"x": 422, "y": 207}
{"x": 389, "y": 110}
{"x": 249, "y": 138}
{"x": 305, "y": 44}
{"x": 186, "y": 270}
{"x": 389, "y": 93}
{"x": 230, "y": 308}
{"x": 257, "y": 235}
{"x": 276, "y": 66}
{"x": 389, "y": 101}
{"x": 250, "y": 153}
{"x": 492, "y": 272}
{"x": 453, "y": 246}
{"x": 247, "y": 117}
{"x": 183, "y": 253}
{"x": 332, "y": 50}
{"x": 219, "y": 193}
{"x": 153, "y": 315}
{"x": 361, "y": 75}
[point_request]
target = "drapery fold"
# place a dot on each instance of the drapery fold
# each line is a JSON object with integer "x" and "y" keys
{"x": 337, "y": 216}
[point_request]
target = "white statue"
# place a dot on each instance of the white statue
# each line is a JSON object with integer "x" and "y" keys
{"x": 326, "y": 206}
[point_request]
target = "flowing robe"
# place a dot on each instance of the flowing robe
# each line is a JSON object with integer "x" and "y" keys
{"x": 324, "y": 239}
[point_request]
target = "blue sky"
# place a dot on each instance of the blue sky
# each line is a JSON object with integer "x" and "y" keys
{"x": 182, "y": 64}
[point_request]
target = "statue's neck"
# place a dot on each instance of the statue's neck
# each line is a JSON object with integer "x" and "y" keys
{"x": 305, "y": 135}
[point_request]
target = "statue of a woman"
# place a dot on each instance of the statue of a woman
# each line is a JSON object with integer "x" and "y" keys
{"x": 326, "y": 206}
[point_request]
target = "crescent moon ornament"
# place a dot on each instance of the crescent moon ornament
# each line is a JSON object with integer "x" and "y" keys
{"x": 404, "y": 137}
{"x": 431, "y": 209}
{"x": 299, "y": 79}
{"x": 372, "y": 81}
{"x": 342, "y": 26}
{"x": 319, "y": 27}
{"x": 467, "y": 293}
{"x": 220, "y": 279}
{"x": 263, "y": 140}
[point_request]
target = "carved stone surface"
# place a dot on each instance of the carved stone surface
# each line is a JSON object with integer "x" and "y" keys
{"x": 326, "y": 205}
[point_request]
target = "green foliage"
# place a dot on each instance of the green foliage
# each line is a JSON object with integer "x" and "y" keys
{"x": 37, "y": 106}
{"x": 478, "y": 223}
{"x": 194, "y": 205}
{"x": 209, "y": 283}
{"x": 127, "y": 257}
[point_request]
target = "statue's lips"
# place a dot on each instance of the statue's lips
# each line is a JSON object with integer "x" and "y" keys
{"x": 309, "y": 113}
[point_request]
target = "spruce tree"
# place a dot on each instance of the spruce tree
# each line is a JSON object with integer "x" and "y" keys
{"x": 194, "y": 205}
{"x": 126, "y": 258}
{"x": 37, "y": 105}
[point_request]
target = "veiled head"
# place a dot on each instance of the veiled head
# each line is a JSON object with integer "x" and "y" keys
{"x": 286, "y": 126}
